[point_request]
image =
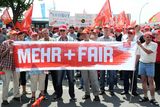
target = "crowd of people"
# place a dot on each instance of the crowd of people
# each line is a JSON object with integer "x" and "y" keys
{"x": 147, "y": 62}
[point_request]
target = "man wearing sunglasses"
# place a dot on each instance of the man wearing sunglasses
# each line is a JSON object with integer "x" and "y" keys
{"x": 61, "y": 73}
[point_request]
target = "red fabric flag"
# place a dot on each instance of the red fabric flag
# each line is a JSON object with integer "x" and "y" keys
{"x": 155, "y": 18}
{"x": 104, "y": 15}
{"x": 19, "y": 26}
{"x": 133, "y": 23}
{"x": 27, "y": 21}
{"x": 127, "y": 22}
{"x": 5, "y": 17}
{"x": 121, "y": 19}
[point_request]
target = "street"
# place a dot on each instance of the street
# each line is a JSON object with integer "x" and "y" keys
{"x": 107, "y": 100}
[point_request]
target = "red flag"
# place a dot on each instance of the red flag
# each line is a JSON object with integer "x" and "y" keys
{"x": 121, "y": 19}
{"x": 155, "y": 18}
{"x": 127, "y": 21}
{"x": 19, "y": 26}
{"x": 133, "y": 23}
{"x": 104, "y": 15}
{"x": 5, "y": 17}
{"x": 27, "y": 21}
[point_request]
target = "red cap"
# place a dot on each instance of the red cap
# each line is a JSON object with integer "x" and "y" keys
{"x": 85, "y": 31}
{"x": 13, "y": 32}
{"x": 34, "y": 33}
{"x": 148, "y": 33}
{"x": 63, "y": 27}
{"x": 157, "y": 32}
{"x": 147, "y": 28}
{"x": 118, "y": 30}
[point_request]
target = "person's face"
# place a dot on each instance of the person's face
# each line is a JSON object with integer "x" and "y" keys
{"x": 45, "y": 33}
{"x": 85, "y": 36}
{"x": 71, "y": 30}
{"x": 107, "y": 31}
{"x": 93, "y": 36}
{"x": 34, "y": 37}
{"x": 63, "y": 33}
{"x": 137, "y": 29}
{"x": 13, "y": 37}
{"x": 147, "y": 38}
{"x": 130, "y": 36}
{"x": 20, "y": 37}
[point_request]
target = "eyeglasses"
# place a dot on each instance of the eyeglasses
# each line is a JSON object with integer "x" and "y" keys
{"x": 62, "y": 30}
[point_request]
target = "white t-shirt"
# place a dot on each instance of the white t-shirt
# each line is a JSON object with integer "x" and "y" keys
{"x": 147, "y": 58}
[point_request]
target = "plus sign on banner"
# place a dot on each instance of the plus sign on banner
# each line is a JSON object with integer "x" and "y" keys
{"x": 50, "y": 55}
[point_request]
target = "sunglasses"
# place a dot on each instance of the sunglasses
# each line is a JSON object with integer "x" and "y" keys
{"x": 62, "y": 30}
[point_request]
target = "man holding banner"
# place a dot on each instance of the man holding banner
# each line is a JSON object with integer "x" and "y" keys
{"x": 110, "y": 73}
{"x": 90, "y": 77}
{"x": 37, "y": 76}
{"x": 8, "y": 66}
{"x": 61, "y": 73}
{"x": 45, "y": 33}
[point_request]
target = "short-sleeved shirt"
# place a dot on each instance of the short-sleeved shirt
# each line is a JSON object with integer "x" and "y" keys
{"x": 147, "y": 58}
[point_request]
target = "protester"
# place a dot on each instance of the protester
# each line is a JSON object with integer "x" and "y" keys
{"x": 37, "y": 76}
{"x": 20, "y": 37}
{"x": 46, "y": 37}
{"x": 129, "y": 74}
{"x": 146, "y": 54}
{"x": 61, "y": 73}
{"x": 8, "y": 66}
{"x": 90, "y": 77}
{"x": 72, "y": 32}
{"x": 111, "y": 74}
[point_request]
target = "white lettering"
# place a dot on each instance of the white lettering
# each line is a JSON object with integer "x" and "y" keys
{"x": 24, "y": 56}
{"x": 100, "y": 54}
{"x": 56, "y": 52}
{"x": 47, "y": 54}
{"x": 81, "y": 53}
{"x": 108, "y": 52}
{"x": 92, "y": 53}
{"x": 35, "y": 55}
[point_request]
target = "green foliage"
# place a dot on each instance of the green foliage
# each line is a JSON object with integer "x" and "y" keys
{"x": 17, "y": 6}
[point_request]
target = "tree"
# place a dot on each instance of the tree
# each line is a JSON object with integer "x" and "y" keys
{"x": 17, "y": 6}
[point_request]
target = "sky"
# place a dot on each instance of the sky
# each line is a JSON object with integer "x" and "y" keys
{"x": 147, "y": 7}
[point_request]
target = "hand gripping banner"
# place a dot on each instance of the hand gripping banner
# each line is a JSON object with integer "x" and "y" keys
{"x": 50, "y": 55}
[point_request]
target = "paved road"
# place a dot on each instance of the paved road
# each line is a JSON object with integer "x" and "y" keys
{"x": 106, "y": 100}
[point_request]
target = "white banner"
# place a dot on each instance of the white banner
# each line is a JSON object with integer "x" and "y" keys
{"x": 84, "y": 20}
{"x": 43, "y": 55}
{"x": 58, "y": 18}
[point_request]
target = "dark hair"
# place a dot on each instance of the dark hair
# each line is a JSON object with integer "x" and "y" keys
{"x": 20, "y": 33}
{"x": 71, "y": 27}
